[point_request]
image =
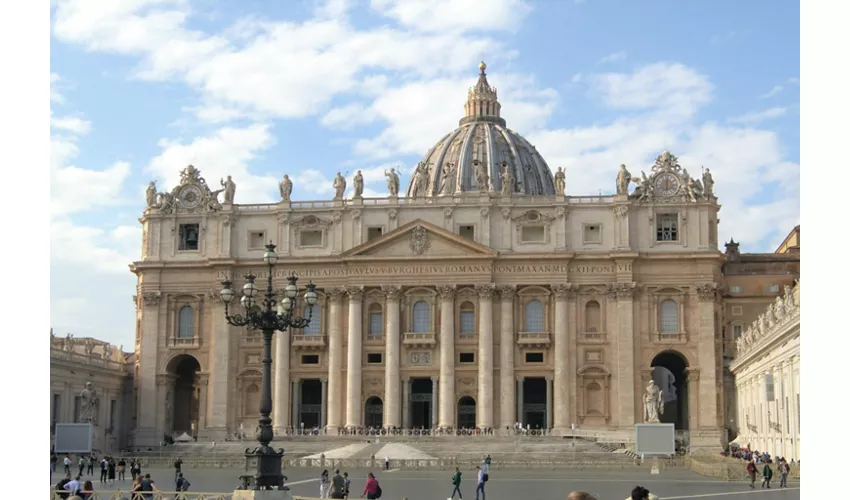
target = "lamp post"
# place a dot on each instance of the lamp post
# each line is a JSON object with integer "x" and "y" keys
{"x": 271, "y": 316}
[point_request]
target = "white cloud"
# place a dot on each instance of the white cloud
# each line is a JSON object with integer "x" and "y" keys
{"x": 55, "y": 95}
{"x": 227, "y": 152}
{"x": 348, "y": 116}
{"x": 758, "y": 116}
{"x": 615, "y": 57}
{"x": 70, "y": 124}
{"x": 455, "y": 15}
{"x": 772, "y": 92}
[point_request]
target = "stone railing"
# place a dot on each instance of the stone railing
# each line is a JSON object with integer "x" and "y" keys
{"x": 94, "y": 359}
{"x": 309, "y": 341}
{"x": 533, "y": 338}
{"x": 420, "y": 339}
{"x": 782, "y": 313}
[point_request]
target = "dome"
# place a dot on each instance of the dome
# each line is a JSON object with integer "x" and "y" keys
{"x": 482, "y": 155}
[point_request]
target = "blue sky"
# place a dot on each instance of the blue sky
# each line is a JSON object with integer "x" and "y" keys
{"x": 256, "y": 89}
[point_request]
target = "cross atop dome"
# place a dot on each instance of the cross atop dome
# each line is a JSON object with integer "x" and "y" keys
{"x": 482, "y": 101}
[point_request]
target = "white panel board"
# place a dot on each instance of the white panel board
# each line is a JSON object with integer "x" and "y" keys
{"x": 73, "y": 438}
{"x": 655, "y": 439}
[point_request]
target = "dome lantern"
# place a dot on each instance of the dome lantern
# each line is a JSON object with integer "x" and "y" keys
{"x": 482, "y": 101}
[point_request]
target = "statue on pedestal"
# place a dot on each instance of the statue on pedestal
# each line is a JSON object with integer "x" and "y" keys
{"x": 653, "y": 403}
{"x": 358, "y": 184}
{"x": 508, "y": 180}
{"x": 285, "y": 188}
{"x": 392, "y": 181}
{"x": 708, "y": 182}
{"x": 89, "y": 404}
{"x": 339, "y": 186}
{"x": 560, "y": 181}
{"x": 624, "y": 178}
{"x": 150, "y": 195}
{"x": 448, "y": 180}
{"x": 229, "y": 189}
{"x": 481, "y": 176}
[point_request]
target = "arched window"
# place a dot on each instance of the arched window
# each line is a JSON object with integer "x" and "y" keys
{"x": 186, "y": 323}
{"x": 315, "y": 326}
{"x": 467, "y": 318}
{"x": 533, "y": 316}
{"x": 668, "y": 316}
{"x": 376, "y": 320}
{"x": 592, "y": 317}
{"x": 421, "y": 317}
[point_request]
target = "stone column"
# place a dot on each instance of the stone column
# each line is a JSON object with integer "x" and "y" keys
{"x": 296, "y": 401}
{"x": 355, "y": 357}
{"x": 549, "y": 420}
{"x": 447, "y": 356}
{"x": 709, "y": 419}
{"x": 392, "y": 412}
{"x": 484, "y": 406}
{"x": 405, "y": 402}
{"x": 220, "y": 379}
{"x": 692, "y": 376}
{"x": 148, "y": 404}
{"x": 507, "y": 383}
{"x": 562, "y": 364}
{"x": 281, "y": 409}
{"x": 335, "y": 356}
{"x": 323, "y": 416}
{"x": 625, "y": 362}
{"x": 520, "y": 414}
{"x": 435, "y": 400}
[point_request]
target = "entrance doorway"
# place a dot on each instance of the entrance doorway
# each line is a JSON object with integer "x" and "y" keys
{"x": 669, "y": 372}
{"x": 421, "y": 403}
{"x": 466, "y": 413}
{"x": 186, "y": 403}
{"x": 374, "y": 412}
{"x": 534, "y": 402}
{"x": 310, "y": 409}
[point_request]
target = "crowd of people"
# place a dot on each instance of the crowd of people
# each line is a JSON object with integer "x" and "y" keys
{"x": 516, "y": 430}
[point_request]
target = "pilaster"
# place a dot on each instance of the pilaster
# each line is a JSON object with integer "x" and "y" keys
{"x": 335, "y": 356}
{"x": 447, "y": 356}
{"x": 485, "y": 356}
{"x": 709, "y": 418}
{"x": 355, "y": 357}
{"x": 220, "y": 371}
{"x": 435, "y": 400}
{"x": 624, "y": 293}
{"x": 148, "y": 408}
{"x": 507, "y": 385}
{"x": 562, "y": 369}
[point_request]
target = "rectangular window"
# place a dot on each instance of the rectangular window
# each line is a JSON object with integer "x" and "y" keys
{"x": 376, "y": 323}
{"x": 374, "y": 232}
{"x": 768, "y": 387}
{"x": 667, "y": 228}
{"x": 533, "y": 234}
{"x": 189, "y": 236}
{"x": 736, "y": 331}
{"x": 736, "y": 289}
{"x": 256, "y": 240}
{"x": 467, "y": 322}
{"x": 772, "y": 289}
{"x": 534, "y": 357}
{"x": 592, "y": 233}
{"x": 467, "y": 232}
{"x": 467, "y": 357}
{"x": 310, "y": 359}
{"x": 373, "y": 358}
{"x": 311, "y": 238}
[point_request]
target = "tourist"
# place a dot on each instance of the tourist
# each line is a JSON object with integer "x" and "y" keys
{"x": 53, "y": 460}
{"x": 90, "y": 467}
{"x": 580, "y": 495}
{"x": 110, "y": 470}
{"x": 641, "y": 493}
{"x": 147, "y": 485}
{"x": 182, "y": 484}
{"x": 784, "y": 469}
{"x": 137, "y": 485}
{"x": 324, "y": 484}
{"x": 178, "y": 467}
{"x": 766, "y": 475}
{"x": 67, "y": 462}
{"x": 387, "y": 463}
{"x": 372, "y": 489}
{"x": 482, "y": 478}
{"x": 74, "y": 486}
{"x": 121, "y": 466}
{"x": 487, "y": 462}
{"x": 61, "y": 485}
{"x": 751, "y": 470}
{"x": 347, "y": 484}
{"x": 456, "y": 483}
{"x": 88, "y": 490}
{"x": 82, "y": 465}
{"x": 337, "y": 485}
{"x": 103, "y": 470}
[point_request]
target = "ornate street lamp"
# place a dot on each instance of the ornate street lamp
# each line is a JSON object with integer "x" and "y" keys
{"x": 269, "y": 317}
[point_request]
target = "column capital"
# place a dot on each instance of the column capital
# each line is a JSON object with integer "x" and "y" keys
{"x": 563, "y": 290}
{"x": 507, "y": 292}
{"x": 485, "y": 291}
{"x": 549, "y": 378}
{"x": 151, "y": 298}
{"x": 393, "y": 292}
{"x": 355, "y": 293}
{"x": 447, "y": 292}
{"x": 335, "y": 294}
{"x": 520, "y": 378}
{"x": 323, "y": 380}
{"x": 435, "y": 379}
{"x": 622, "y": 290}
{"x": 692, "y": 374}
{"x": 706, "y": 291}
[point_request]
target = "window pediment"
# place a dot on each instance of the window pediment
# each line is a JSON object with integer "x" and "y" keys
{"x": 310, "y": 222}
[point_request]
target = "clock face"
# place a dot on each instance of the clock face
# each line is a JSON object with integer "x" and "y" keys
{"x": 667, "y": 184}
{"x": 190, "y": 196}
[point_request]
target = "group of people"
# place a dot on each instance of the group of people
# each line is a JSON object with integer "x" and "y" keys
{"x": 339, "y": 486}
{"x": 482, "y": 476}
{"x": 782, "y": 467}
{"x": 110, "y": 467}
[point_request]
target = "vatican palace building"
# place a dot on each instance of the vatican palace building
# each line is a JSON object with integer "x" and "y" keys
{"x": 480, "y": 297}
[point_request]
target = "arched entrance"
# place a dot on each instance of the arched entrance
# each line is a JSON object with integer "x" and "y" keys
{"x": 466, "y": 413}
{"x": 669, "y": 370}
{"x": 374, "y": 412}
{"x": 186, "y": 407}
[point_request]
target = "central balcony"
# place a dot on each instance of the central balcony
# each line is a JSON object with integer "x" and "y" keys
{"x": 426, "y": 339}
{"x": 533, "y": 339}
{"x": 309, "y": 342}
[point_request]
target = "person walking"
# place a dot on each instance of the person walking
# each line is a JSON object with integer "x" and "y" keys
{"x": 372, "y": 491}
{"x": 182, "y": 484}
{"x": 337, "y": 485}
{"x": 387, "y": 463}
{"x": 122, "y": 465}
{"x": 456, "y": 483}
{"x": 147, "y": 486}
{"x": 110, "y": 470}
{"x": 347, "y": 485}
{"x": 90, "y": 467}
{"x": 53, "y": 460}
{"x": 178, "y": 467}
{"x": 103, "y": 469}
{"x": 751, "y": 471}
{"x": 784, "y": 469}
{"x": 766, "y": 475}
{"x": 481, "y": 480}
{"x": 82, "y": 465}
{"x": 67, "y": 462}
{"x": 324, "y": 484}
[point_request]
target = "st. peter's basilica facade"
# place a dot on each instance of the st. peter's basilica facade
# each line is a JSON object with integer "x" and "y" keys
{"x": 483, "y": 298}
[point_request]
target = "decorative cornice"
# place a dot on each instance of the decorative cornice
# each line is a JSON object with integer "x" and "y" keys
{"x": 393, "y": 292}
{"x": 336, "y": 294}
{"x": 485, "y": 291}
{"x": 151, "y": 298}
{"x": 507, "y": 292}
{"x": 355, "y": 293}
{"x": 780, "y": 314}
{"x": 706, "y": 291}
{"x": 624, "y": 290}
{"x": 447, "y": 292}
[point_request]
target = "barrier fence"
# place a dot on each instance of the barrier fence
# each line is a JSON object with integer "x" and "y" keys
{"x": 147, "y": 495}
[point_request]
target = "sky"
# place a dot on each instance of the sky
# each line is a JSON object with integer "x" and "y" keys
{"x": 258, "y": 88}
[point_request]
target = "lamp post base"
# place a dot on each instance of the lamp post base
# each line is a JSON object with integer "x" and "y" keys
{"x": 263, "y": 469}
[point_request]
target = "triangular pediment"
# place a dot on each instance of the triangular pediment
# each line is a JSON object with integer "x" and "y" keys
{"x": 420, "y": 239}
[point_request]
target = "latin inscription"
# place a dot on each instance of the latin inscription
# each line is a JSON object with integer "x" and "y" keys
{"x": 545, "y": 269}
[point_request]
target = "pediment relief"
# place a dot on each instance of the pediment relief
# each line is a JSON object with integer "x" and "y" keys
{"x": 594, "y": 370}
{"x": 420, "y": 239}
{"x": 467, "y": 292}
{"x": 532, "y": 217}
{"x": 310, "y": 222}
{"x": 593, "y": 290}
{"x": 667, "y": 290}
{"x": 533, "y": 290}
{"x": 249, "y": 373}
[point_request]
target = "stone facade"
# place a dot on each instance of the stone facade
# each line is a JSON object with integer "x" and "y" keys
{"x": 767, "y": 379}
{"x": 76, "y": 361}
